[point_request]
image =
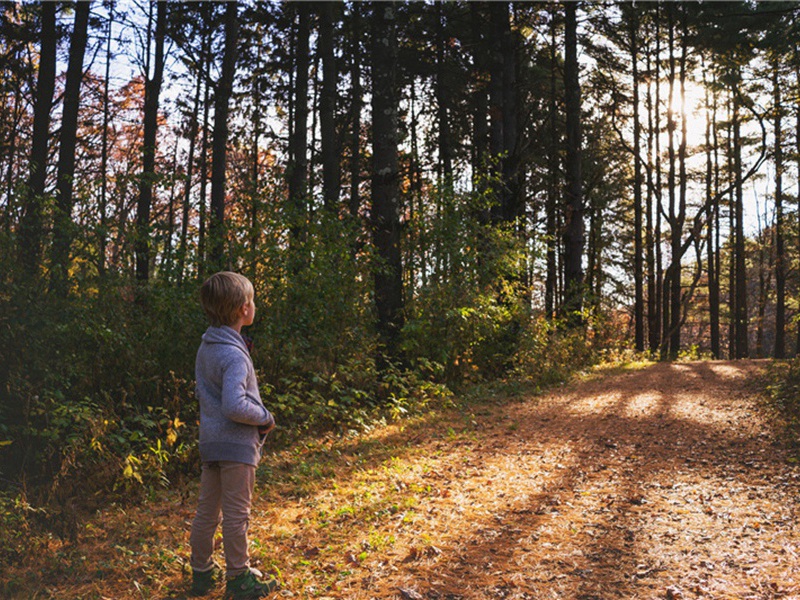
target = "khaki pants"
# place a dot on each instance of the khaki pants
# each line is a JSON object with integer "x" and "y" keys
{"x": 226, "y": 489}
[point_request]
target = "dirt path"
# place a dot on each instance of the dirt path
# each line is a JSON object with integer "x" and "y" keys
{"x": 660, "y": 483}
{"x": 666, "y": 482}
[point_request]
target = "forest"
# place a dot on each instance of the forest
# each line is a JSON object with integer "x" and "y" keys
{"x": 427, "y": 196}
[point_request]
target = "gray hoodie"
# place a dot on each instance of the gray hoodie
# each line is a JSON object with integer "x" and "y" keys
{"x": 230, "y": 405}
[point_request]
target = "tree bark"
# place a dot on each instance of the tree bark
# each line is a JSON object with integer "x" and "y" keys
{"x": 297, "y": 169}
{"x": 152, "y": 90}
{"x": 740, "y": 313}
{"x": 573, "y": 221}
{"x": 31, "y": 227}
{"x": 194, "y": 126}
{"x": 356, "y": 103}
{"x": 638, "y": 265}
{"x": 780, "y": 266}
{"x": 551, "y": 233}
{"x": 672, "y": 275}
{"x": 331, "y": 178}
{"x": 219, "y": 162}
{"x": 713, "y": 221}
{"x": 103, "y": 234}
{"x": 385, "y": 179}
{"x": 677, "y": 237}
{"x": 63, "y": 226}
{"x": 202, "y": 235}
{"x": 443, "y": 92}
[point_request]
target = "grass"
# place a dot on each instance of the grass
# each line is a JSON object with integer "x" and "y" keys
{"x": 323, "y": 511}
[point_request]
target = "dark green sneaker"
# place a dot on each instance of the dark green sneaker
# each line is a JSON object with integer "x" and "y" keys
{"x": 204, "y": 581}
{"x": 247, "y": 587}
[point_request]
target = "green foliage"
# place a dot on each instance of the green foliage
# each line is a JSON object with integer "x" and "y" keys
{"x": 784, "y": 392}
{"x": 466, "y": 317}
{"x": 91, "y": 399}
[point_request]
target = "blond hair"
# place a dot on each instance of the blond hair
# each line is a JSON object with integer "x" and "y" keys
{"x": 223, "y": 294}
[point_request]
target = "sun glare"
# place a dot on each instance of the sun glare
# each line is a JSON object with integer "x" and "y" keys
{"x": 695, "y": 112}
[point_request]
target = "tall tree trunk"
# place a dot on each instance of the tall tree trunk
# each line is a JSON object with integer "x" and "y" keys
{"x": 480, "y": 107}
{"x": 677, "y": 237}
{"x": 63, "y": 226}
{"x": 673, "y": 270}
{"x": 780, "y": 266}
{"x": 297, "y": 170}
{"x": 202, "y": 236}
{"x": 194, "y": 127}
{"x": 385, "y": 178}
{"x": 551, "y": 209}
{"x": 152, "y": 90}
{"x": 740, "y": 313}
{"x": 512, "y": 208}
{"x": 658, "y": 315}
{"x": 103, "y": 234}
{"x": 443, "y": 92}
{"x": 713, "y": 220}
{"x": 638, "y": 266}
{"x": 255, "y": 167}
{"x": 797, "y": 150}
{"x": 573, "y": 226}
{"x": 356, "y": 95}
{"x": 167, "y": 259}
{"x": 732, "y": 297}
{"x": 31, "y": 227}
{"x": 498, "y": 19}
{"x": 327, "y": 118}
{"x": 219, "y": 162}
{"x": 650, "y": 239}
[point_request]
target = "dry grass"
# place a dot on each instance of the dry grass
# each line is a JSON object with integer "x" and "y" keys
{"x": 662, "y": 482}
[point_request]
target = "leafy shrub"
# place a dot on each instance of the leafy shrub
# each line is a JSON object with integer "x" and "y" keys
{"x": 784, "y": 392}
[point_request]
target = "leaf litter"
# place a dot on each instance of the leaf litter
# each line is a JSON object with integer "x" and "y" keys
{"x": 664, "y": 482}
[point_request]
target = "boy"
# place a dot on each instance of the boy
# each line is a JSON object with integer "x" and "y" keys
{"x": 233, "y": 426}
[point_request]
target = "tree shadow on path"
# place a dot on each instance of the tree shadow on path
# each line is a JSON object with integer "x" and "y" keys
{"x": 665, "y": 482}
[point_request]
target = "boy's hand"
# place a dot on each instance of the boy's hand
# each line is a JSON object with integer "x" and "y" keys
{"x": 265, "y": 429}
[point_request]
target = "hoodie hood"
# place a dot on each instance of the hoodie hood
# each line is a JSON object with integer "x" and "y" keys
{"x": 224, "y": 335}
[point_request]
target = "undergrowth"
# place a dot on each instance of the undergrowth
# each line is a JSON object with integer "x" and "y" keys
{"x": 98, "y": 401}
{"x": 783, "y": 387}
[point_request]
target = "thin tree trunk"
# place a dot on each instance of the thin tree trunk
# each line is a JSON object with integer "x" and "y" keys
{"x": 217, "y": 229}
{"x": 713, "y": 225}
{"x": 638, "y": 266}
{"x": 202, "y": 266}
{"x": 741, "y": 275}
{"x": 255, "y": 168}
{"x": 356, "y": 95}
{"x": 152, "y": 90}
{"x": 658, "y": 315}
{"x": 63, "y": 225}
{"x": 480, "y": 108}
{"x": 330, "y": 146}
{"x": 443, "y": 92}
{"x": 194, "y": 126}
{"x": 167, "y": 267}
{"x": 385, "y": 179}
{"x": 297, "y": 170}
{"x": 551, "y": 234}
{"x": 672, "y": 276}
{"x": 103, "y": 241}
{"x": 512, "y": 208}
{"x": 31, "y": 227}
{"x": 498, "y": 13}
{"x": 732, "y": 297}
{"x": 780, "y": 268}
{"x": 573, "y": 227}
{"x": 677, "y": 238}
{"x": 797, "y": 148}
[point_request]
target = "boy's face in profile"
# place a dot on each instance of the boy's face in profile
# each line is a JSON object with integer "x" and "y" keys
{"x": 249, "y": 312}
